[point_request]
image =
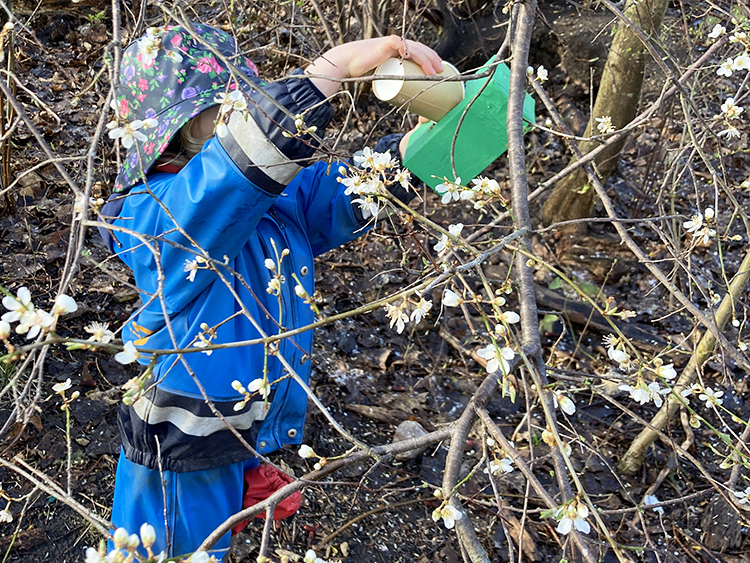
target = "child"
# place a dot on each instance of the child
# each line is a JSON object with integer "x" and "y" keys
{"x": 246, "y": 199}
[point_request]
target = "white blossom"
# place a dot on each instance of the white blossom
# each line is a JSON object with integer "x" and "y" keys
{"x": 725, "y": 68}
{"x": 449, "y": 190}
{"x": 451, "y": 299}
{"x": 448, "y": 514}
{"x": 376, "y": 161}
{"x": 694, "y": 224}
{"x": 173, "y": 56}
{"x": 398, "y": 317}
{"x": 497, "y": 358}
{"x": 422, "y": 308}
{"x": 643, "y": 393}
{"x": 62, "y": 387}
{"x": 445, "y": 242}
{"x": 192, "y": 267}
{"x": 128, "y": 133}
{"x": 502, "y": 465}
{"x": 742, "y": 62}
{"x": 261, "y": 385}
{"x": 222, "y": 130}
{"x": 149, "y": 46}
{"x": 33, "y": 322}
{"x": 730, "y": 132}
{"x": 711, "y": 397}
{"x": 368, "y": 206}
{"x": 203, "y": 342}
{"x": 666, "y": 371}
{"x": 510, "y": 317}
{"x": 717, "y": 31}
{"x": 99, "y": 332}
{"x": 402, "y": 177}
{"x": 604, "y": 124}
{"x": 18, "y": 305}
{"x": 730, "y": 110}
{"x": 133, "y": 542}
{"x": 565, "y": 403}
{"x": 235, "y": 100}
{"x": 743, "y": 497}
{"x": 129, "y": 354}
{"x": 617, "y": 355}
{"x": 64, "y": 304}
{"x": 199, "y": 557}
{"x": 306, "y": 452}
{"x": 573, "y": 516}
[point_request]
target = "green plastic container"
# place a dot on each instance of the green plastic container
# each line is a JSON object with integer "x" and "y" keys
{"x": 481, "y": 139}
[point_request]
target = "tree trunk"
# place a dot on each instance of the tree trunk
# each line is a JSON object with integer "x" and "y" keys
{"x": 618, "y": 95}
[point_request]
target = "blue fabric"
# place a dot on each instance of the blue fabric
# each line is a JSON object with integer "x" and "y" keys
{"x": 197, "y": 502}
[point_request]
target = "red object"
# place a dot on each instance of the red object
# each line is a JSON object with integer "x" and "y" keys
{"x": 260, "y": 483}
{"x": 167, "y": 168}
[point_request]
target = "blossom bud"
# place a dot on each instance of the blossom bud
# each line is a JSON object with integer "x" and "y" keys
{"x": 205, "y": 327}
{"x": 64, "y": 304}
{"x": 300, "y": 291}
{"x": 120, "y": 538}
{"x": 93, "y": 555}
{"x": 148, "y": 535}
{"x": 199, "y": 557}
{"x": 310, "y": 556}
{"x": 133, "y": 542}
{"x": 285, "y": 252}
{"x": 270, "y": 264}
{"x": 116, "y": 556}
{"x": 75, "y": 395}
{"x": 306, "y": 451}
{"x": 4, "y": 330}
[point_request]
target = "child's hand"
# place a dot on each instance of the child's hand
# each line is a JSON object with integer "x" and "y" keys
{"x": 360, "y": 57}
{"x": 405, "y": 139}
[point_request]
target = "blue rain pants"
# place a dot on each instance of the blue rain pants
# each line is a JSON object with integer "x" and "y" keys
{"x": 196, "y": 502}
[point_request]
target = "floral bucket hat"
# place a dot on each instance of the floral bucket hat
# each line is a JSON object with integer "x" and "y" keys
{"x": 167, "y": 77}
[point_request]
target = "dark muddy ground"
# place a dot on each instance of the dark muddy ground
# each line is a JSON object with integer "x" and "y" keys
{"x": 370, "y": 377}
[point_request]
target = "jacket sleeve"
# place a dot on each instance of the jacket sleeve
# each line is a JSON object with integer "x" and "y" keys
{"x": 264, "y": 143}
{"x": 327, "y": 212}
{"x": 332, "y": 219}
{"x": 210, "y": 200}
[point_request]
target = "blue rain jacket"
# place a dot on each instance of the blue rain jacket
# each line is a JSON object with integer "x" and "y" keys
{"x": 215, "y": 204}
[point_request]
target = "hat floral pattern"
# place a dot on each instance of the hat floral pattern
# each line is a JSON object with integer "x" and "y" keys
{"x": 166, "y": 77}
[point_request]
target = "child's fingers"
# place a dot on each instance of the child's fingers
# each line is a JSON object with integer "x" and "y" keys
{"x": 425, "y": 57}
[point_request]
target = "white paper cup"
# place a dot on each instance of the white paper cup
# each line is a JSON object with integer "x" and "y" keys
{"x": 427, "y": 98}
